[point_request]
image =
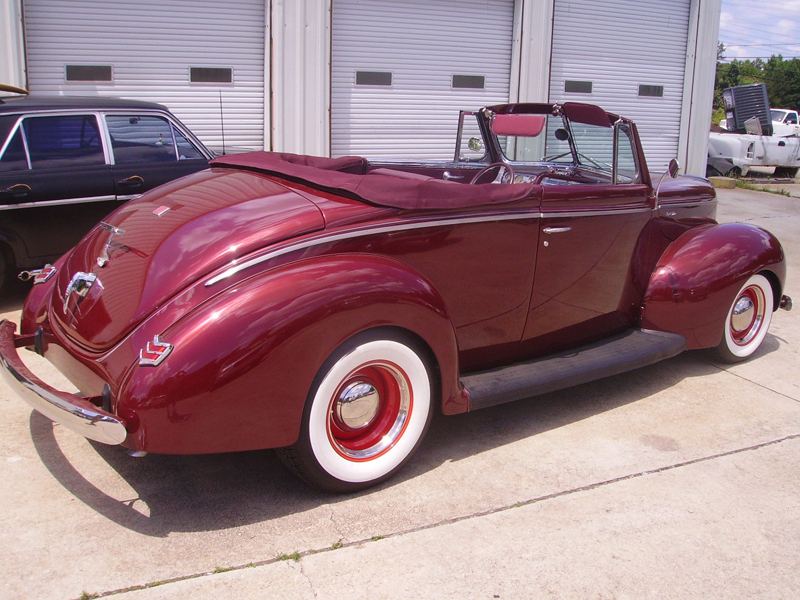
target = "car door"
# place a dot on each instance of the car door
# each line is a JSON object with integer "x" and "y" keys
{"x": 149, "y": 150}
{"x": 55, "y": 184}
{"x": 590, "y": 235}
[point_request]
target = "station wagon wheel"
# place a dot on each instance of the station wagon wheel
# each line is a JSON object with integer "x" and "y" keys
{"x": 748, "y": 320}
{"x": 505, "y": 173}
{"x": 5, "y": 267}
{"x": 367, "y": 412}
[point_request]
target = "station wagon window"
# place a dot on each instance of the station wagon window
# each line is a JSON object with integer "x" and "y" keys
{"x": 147, "y": 139}
{"x": 62, "y": 141}
{"x": 14, "y": 158}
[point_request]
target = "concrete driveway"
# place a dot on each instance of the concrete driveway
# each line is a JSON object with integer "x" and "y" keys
{"x": 680, "y": 480}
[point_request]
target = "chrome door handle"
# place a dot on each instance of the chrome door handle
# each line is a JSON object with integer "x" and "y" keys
{"x": 556, "y": 229}
{"x": 18, "y": 191}
{"x": 447, "y": 176}
{"x": 133, "y": 181}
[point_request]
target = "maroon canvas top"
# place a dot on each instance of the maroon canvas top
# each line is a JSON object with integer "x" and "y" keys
{"x": 349, "y": 176}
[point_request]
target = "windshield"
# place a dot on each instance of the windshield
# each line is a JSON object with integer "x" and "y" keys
{"x": 777, "y": 115}
{"x": 594, "y": 145}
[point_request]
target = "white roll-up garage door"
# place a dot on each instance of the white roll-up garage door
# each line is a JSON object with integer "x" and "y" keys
{"x": 185, "y": 54}
{"x": 629, "y": 57}
{"x": 402, "y": 69}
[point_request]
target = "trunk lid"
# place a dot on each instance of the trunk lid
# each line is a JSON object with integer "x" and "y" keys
{"x": 154, "y": 247}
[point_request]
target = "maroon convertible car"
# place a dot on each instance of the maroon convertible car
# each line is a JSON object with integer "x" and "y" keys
{"x": 329, "y": 307}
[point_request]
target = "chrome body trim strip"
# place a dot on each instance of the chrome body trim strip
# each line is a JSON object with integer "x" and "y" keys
{"x": 327, "y": 239}
{"x": 71, "y": 411}
{"x": 57, "y": 202}
{"x": 337, "y": 237}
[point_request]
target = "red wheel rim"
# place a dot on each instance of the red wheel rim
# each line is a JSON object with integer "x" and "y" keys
{"x": 747, "y": 316}
{"x": 369, "y": 411}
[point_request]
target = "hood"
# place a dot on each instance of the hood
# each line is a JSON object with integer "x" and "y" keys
{"x": 154, "y": 247}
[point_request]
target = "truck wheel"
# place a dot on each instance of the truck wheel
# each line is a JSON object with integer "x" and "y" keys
{"x": 748, "y": 320}
{"x": 735, "y": 172}
{"x": 790, "y": 172}
{"x": 368, "y": 409}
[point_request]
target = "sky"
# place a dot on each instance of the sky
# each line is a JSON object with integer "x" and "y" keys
{"x": 760, "y": 28}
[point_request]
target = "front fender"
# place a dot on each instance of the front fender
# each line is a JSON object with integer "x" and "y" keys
{"x": 698, "y": 276}
{"x": 243, "y": 363}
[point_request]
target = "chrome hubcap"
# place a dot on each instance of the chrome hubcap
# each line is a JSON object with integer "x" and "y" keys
{"x": 357, "y": 405}
{"x": 747, "y": 316}
{"x": 370, "y": 411}
{"x": 742, "y": 315}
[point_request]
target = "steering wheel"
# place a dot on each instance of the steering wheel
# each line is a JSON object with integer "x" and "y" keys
{"x": 505, "y": 173}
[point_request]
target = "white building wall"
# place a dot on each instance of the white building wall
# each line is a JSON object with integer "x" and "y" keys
{"x": 701, "y": 68}
{"x": 12, "y": 48}
{"x": 531, "y": 59}
{"x": 300, "y": 78}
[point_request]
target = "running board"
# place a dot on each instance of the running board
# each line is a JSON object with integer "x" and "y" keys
{"x": 626, "y": 351}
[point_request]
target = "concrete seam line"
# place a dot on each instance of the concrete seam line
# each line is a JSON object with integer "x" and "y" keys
{"x": 761, "y": 385}
{"x": 296, "y": 556}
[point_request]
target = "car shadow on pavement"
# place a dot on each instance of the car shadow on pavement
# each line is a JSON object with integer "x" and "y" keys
{"x": 221, "y": 491}
{"x": 12, "y": 295}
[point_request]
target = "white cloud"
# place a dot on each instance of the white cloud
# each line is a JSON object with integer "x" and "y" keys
{"x": 760, "y": 28}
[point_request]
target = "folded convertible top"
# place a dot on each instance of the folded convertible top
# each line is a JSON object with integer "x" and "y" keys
{"x": 350, "y": 176}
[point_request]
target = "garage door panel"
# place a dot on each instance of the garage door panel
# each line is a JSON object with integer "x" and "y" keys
{"x": 422, "y": 44}
{"x": 151, "y": 46}
{"x": 619, "y": 45}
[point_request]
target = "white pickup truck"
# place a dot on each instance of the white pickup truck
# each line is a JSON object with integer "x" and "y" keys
{"x": 781, "y": 150}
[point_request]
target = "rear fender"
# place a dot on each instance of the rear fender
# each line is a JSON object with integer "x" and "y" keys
{"x": 698, "y": 276}
{"x": 242, "y": 365}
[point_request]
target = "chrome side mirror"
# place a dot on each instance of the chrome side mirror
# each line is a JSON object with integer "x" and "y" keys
{"x": 672, "y": 170}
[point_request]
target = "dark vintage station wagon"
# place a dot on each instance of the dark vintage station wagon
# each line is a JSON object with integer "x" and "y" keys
{"x": 67, "y": 162}
{"x": 329, "y": 307}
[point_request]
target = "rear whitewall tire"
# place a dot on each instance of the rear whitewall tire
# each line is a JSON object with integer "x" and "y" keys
{"x": 367, "y": 413}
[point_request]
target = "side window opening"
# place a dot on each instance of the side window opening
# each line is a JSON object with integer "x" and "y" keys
{"x": 141, "y": 139}
{"x": 63, "y": 141}
{"x": 14, "y": 157}
{"x": 186, "y": 150}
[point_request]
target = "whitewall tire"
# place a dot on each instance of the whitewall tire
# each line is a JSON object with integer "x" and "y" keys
{"x": 748, "y": 320}
{"x": 367, "y": 412}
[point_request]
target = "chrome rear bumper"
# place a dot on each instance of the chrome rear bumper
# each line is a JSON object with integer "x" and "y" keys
{"x": 73, "y": 412}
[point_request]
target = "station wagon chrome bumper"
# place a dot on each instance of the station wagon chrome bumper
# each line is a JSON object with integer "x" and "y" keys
{"x": 73, "y": 412}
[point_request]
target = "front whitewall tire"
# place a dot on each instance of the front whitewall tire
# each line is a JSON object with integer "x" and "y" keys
{"x": 748, "y": 320}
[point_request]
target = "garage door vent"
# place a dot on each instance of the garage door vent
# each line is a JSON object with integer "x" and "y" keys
{"x": 210, "y": 75}
{"x": 89, "y": 73}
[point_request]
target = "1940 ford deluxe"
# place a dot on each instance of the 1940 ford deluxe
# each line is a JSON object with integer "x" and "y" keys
{"x": 328, "y": 307}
